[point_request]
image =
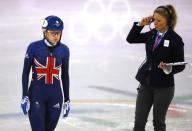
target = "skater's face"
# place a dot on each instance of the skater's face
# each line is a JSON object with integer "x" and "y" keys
{"x": 53, "y": 36}
{"x": 160, "y": 22}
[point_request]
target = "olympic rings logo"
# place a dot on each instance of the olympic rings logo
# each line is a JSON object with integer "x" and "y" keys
{"x": 101, "y": 20}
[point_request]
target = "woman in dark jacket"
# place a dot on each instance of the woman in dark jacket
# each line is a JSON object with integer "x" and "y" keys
{"x": 163, "y": 45}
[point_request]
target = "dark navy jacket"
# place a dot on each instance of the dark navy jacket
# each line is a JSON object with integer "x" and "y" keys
{"x": 149, "y": 73}
{"x": 46, "y": 66}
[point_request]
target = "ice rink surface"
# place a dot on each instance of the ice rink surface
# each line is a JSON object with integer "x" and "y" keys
{"x": 102, "y": 64}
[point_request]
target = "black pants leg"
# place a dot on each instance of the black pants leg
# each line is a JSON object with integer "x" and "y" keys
{"x": 143, "y": 105}
{"x": 162, "y": 99}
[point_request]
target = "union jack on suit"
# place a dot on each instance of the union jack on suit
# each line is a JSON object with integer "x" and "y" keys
{"x": 49, "y": 71}
{"x": 44, "y": 91}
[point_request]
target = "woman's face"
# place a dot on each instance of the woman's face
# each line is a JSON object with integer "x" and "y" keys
{"x": 160, "y": 22}
{"x": 53, "y": 36}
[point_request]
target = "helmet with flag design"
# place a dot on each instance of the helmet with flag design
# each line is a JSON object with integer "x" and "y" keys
{"x": 52, "y": 23}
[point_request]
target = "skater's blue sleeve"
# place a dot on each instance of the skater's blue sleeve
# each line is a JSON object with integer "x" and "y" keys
{"x": 65, "y": 73}
{"x": 28, "y": 61}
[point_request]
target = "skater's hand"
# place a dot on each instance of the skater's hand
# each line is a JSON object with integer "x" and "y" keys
{"x": 66, "y": 109}
{"x": 25, "y": 104}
